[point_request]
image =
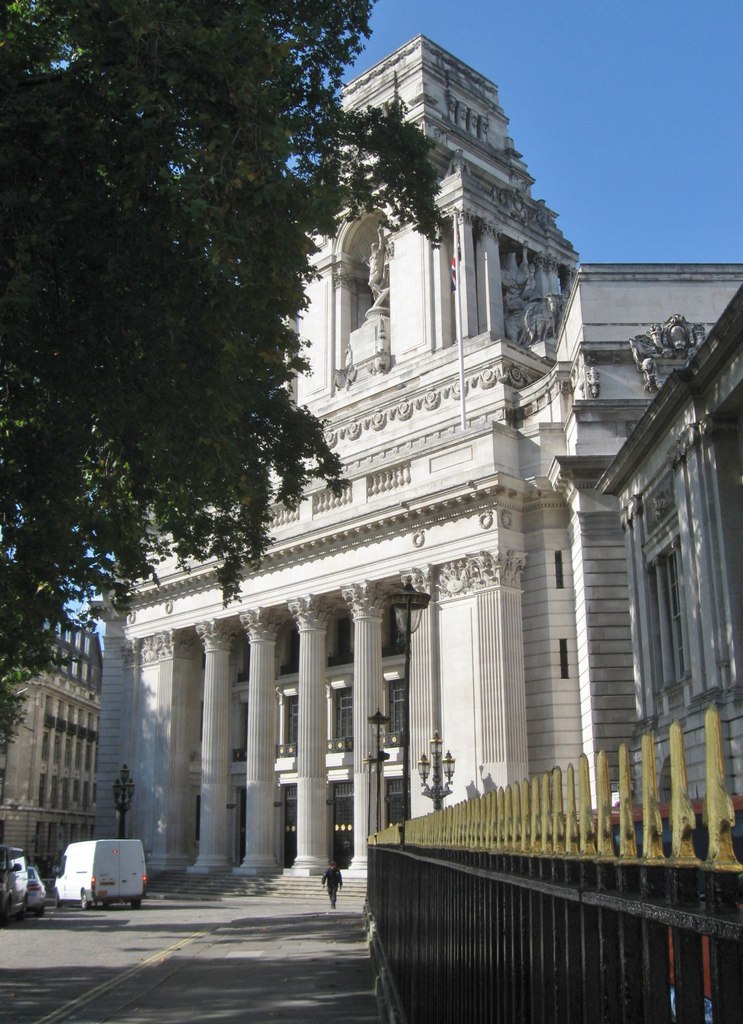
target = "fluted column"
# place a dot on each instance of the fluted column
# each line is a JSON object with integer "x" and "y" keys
{"x": 503, "y": 698}
{"x": 311, "y": 738}
{"x": 260, "y": 783}
{"x": 216, "y": 637}
{"x": 425, "y": 702}
{"x": 367, "y": 607}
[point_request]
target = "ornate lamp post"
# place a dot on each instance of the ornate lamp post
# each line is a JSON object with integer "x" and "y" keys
{"x": 123, "y": 793}
{"x": 409, "y": 605}
{"x": 437, "y": 767}
{"x": 377, "y": 721}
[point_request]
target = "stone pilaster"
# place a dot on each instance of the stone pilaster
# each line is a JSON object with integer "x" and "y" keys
{"x": 260, "y": 784}
{"x": 311, "y": 777}
{"x": 425, "y": 707}
{"x": 367, "y": 606}
{"x": 216, "y": 637}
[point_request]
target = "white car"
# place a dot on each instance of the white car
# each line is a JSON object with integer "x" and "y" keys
{"x": 35, "y": 892}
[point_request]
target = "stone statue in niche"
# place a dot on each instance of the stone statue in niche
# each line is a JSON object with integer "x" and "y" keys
{"x": 531, "y": 317}
{"x": 676, "y": 339}
{"x": 368, "y": 347}
{"x": 379, "y": 274}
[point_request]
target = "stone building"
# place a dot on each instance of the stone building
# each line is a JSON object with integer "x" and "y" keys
{"x": 678, "y": 479}
{"x": 472, "y": 474}
{"x": 47, "y": 772}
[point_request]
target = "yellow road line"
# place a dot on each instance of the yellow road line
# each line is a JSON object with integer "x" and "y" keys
{"x": 161, "y": 954}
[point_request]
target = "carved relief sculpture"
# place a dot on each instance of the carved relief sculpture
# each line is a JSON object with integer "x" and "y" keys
{"x": 675, "y": 339}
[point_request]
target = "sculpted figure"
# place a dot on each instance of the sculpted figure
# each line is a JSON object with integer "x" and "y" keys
{"x": 379, "y": 269}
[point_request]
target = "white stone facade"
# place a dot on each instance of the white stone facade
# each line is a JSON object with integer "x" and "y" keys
{"x": 484, "y": 495}
{"x": 679, "y": 484}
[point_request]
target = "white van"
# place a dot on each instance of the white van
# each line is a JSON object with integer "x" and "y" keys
{"x": 102, "y": 871}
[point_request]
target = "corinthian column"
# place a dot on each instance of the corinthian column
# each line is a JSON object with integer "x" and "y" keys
{"x": 260, "y": 753}
{"x": 366, "y": 604}
{"x": 215, "y": 754}
{"x": 311, "y": 737}
{"x": 170, "y": 792}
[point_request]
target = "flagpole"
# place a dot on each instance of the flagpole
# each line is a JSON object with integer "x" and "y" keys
{"x": 458, "y": 300}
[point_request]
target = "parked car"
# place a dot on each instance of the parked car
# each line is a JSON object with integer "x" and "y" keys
{"x": 13, "y": 875}
{"x": 35, "y": 892}
{"x": 102, "y": 871}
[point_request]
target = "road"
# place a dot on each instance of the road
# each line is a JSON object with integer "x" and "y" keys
{"x": 254, "y": 960}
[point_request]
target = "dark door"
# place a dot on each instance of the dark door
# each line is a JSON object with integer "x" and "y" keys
{"x": 290, "y": 825}
{"x": 241, "y": 840}
{"x": 343, "y": 823}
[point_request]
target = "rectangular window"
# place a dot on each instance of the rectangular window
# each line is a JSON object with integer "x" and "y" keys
{"x": 68, "y": 753}
{"x": 394, "y": 801}
{"x": 344, "y": 714}
{"x": 88, "y": 756}
{"x": 671, "y": 617}
{"x": 65, "y": 794}
{"x": 75, "y": 792}
{"x": 85, "y": 796}
{"x": 559, "y": 576}
{"x": 53, "y": 791}
{"x": 291, "y": 718}
{"x": 42, "y": 790}
{"x": 2, "y": 784}
{"x": 57, "y": 747}
{"x": 78, "y": 754}
{"x": 397, "y": 706}
{"x": 45, "y": 747}
{"x": 564, "y": 666}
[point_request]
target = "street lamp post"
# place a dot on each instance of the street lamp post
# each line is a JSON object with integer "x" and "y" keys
{"x": 409, "y": 605}
{"x": 437, "y": 767}
{"x": 123, "y": 793}
{"x": 377, "y": 721}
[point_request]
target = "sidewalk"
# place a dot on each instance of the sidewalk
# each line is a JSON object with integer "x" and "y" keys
{"x": 275, "y": 961}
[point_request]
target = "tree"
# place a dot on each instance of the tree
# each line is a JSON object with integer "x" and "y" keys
{"x": 163, "y": 169}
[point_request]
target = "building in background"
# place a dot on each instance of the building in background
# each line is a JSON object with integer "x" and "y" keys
{"x": 47, "y": 772}
{"x": 472, "y": 474}
{"x": 679, "y": 479}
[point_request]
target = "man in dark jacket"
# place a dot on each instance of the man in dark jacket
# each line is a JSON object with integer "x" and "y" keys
{"x": 334, "y": 881}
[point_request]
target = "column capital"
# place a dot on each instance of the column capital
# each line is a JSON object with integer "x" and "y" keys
{"x": 309, "y": 613}
{"x": 158, "y": 647}
{"x": 482, "y": 571}
{"x": 259, "y": 624}
{"x": 216, "y": 634}
{"x": 419, "y": 578}
{"x": 364, "y": 599}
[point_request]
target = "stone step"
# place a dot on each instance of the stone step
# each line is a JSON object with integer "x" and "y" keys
{"x": 218, "y": 885}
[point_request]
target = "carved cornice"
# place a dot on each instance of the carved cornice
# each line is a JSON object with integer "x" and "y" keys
{"x": 482, "y": 571}
{"x": 158, "y": 647}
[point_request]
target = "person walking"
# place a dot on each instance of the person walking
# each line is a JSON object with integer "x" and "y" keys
{"x": 334, "y": 881}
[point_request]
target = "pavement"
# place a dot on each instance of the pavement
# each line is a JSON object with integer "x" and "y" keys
{"x": 260, "y": 961}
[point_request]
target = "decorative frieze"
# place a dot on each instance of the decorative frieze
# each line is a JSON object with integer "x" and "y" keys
{"x": 420, "y": 579}
{"x": 157, "y": 647}
{"x": 480, "y": 572}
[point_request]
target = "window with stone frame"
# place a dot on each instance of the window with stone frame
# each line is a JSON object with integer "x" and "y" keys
{"x": 344, "y": 713}
{"x": 291, "y": 718}
{"x": 45, "y": 747}
{"x": 668, "y": 586}
{"x": 396, "y": 705}
{"x": 57, "y": 747}
{"x": 42, "y": 790}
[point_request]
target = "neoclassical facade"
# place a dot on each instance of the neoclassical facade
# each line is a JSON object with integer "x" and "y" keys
{"x": 682, "y": 514}
{"x": 472, "y": 473}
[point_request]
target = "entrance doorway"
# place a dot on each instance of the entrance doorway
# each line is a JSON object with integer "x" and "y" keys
{"x": 343, "y": 823}
{"x": 290, "y": 825}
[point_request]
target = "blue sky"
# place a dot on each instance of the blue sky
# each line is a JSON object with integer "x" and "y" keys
{"x": 628, "y": 115}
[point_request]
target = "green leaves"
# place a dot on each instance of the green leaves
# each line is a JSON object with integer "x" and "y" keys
{"x": 163, "y": 169}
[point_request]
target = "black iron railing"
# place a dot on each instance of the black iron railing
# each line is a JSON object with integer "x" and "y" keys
{"x": 510, "y": 909}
